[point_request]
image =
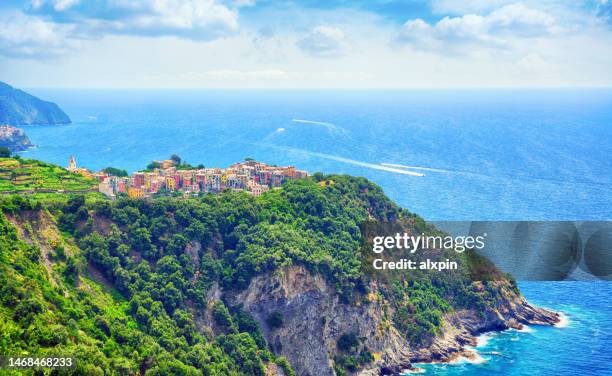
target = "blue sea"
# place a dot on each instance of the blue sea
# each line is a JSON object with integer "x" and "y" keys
{"x": 581, "y": 346}
{"x": 484, "y": 155}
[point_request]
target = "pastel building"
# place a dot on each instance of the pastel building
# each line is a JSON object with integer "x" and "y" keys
{"x": 251, "y": 176}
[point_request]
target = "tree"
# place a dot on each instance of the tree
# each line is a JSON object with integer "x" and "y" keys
{"x": 243, "y": 350}
{"x": 116, "y": 172}
{"x": 222, "y": 317}
{"x": 176, "y": 159}
{"x": 153, "y": 165}
{"x": 5, "y": 152}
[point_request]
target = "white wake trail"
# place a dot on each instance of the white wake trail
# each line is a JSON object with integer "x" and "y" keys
{"x": 273, "y": 134}
{"x": 366, "y": 164}
{"x": 313, "y": 122}
{"x": 332, "y": 128}
{"x": 415, "y": 167}
{"x": 344, "y": 160}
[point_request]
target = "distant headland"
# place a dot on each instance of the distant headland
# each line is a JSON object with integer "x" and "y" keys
{"x": 20, "y": 108}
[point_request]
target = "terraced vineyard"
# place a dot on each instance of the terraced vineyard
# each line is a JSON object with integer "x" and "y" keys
{"x": 24, "y": 175}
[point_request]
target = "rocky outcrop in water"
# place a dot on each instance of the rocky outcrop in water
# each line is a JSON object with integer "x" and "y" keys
{"x": 13, "y": 138}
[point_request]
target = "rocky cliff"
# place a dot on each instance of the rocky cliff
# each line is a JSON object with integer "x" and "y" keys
{"x": 20, "y": 108}
{"x": 13, "y": 138}
{"x": 315, "y": 319}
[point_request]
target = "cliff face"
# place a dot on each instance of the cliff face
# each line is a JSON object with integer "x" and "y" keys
{"x": 20, "y": 108}
{"x": 314, "y": 320}
{"x": 13, "y": 138}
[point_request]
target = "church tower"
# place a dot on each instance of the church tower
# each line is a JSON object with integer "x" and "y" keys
{"x": 72, "y": 166}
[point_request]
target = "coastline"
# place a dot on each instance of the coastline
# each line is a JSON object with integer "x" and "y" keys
{"x": 470, "y": 353}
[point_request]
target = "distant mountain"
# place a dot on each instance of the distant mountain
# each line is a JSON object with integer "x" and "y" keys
{"x": 13, "y": 138}
{"x": 20, "y": 108}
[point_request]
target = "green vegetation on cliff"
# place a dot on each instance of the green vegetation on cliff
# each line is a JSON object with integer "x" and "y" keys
{"x": 125, "y": 285}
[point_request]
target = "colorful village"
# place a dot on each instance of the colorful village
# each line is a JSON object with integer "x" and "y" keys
{"x": 171, "y": 177}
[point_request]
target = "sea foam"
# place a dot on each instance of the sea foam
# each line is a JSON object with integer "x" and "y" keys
{"x": 563, "y": 321}
{"x": 484, "y": 338}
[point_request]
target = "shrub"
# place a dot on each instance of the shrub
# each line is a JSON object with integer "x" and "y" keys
{"x": 222, "y": 317}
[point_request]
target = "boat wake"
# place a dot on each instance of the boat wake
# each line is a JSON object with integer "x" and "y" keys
{"x": 274, "y": 134}
{"x": 332, "y": 128}
{"x": 344, "y": 160}
{"x": 415, "y": 167}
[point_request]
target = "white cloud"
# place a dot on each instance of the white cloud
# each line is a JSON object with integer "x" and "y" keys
{"x": 56, "y": 27}
{"x": 471, "y": 30}
{"x": 189, "y": 19}
{"x": 517, "y": 19}
{"x": 30, "y": 37}
{"x": 183, "y": 18}
{"x": 322, "y": 41}
{"x": 530, "y": 44}
{"x": 61, "y": 5}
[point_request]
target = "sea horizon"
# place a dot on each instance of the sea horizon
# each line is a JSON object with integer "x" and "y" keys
{"x": 513, "y": 139}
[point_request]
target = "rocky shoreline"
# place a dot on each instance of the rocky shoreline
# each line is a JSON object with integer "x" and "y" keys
{"x": 461, "y": 336}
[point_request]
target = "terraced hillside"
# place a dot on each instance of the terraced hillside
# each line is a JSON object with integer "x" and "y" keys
{"x": 25, "y": 175}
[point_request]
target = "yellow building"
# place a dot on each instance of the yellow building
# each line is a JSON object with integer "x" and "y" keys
{"x": 136, "y": 193}
{"x": 167, "y": 163}
{"x": 170, "y": 184}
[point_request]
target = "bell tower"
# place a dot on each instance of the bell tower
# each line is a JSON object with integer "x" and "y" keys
{"x": 72, "y": 166}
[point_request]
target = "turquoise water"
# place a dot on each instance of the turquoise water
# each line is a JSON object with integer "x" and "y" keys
{"x": 486, "y": 155}
{"x": 580, "y": 348}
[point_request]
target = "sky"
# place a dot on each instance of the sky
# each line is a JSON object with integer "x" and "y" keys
{"x": 306, "y": 44}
